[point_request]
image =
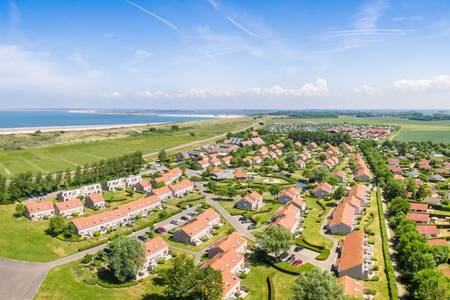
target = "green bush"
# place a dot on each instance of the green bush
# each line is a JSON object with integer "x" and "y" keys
{"x": 323, "y": 255}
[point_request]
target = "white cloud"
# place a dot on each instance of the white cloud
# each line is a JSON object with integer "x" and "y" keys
{"x": 114, "y": 94}
{"x": 368, "y": 90}
{"x": 406, "y": 18}
{"x": 434, "y": 84}
{"x": 317, "y": 89}
{"x": 21, "y": 69}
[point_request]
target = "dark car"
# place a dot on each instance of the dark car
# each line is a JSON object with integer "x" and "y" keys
{"x": 298, "y": 248}
{"x": 283, "y": 255}
{"x": 184, "y": 218}
{"x": 251, "y": 226}
{"x": 142, "y": 238}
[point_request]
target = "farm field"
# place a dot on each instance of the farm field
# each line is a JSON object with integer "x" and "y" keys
{"x": 410, "y": 130}
{"x": 70, "y": 155}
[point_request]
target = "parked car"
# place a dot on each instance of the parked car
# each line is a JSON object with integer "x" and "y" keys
{"x": 298, "y": 248}
{"x": 160, "y": 230}
{"x": 283, "y": 256}
{"x": 192, "y": 214}
{"x": 142, "y": 238}
{"x": 174, "y": 222}
{"x": 251, "y": 226}
{"x": 291, "y": 258}
{"x": 297, "y": 262}
{"x": 185, "y": 218}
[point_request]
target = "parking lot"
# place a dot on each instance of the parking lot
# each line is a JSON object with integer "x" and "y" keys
{"x": 247, "y": 223}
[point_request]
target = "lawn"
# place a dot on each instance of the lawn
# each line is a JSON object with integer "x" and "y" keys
{"x": 23, "y": 239}
{"x": 69, "y": 155}
{"x": 311, "y": 231}
{"x": 410, "y": 130}
{"x": 381, "y": 285}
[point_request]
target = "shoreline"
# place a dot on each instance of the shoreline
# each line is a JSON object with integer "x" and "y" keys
{"x": 18, "y": 130}
{"x": 186, "y": 115}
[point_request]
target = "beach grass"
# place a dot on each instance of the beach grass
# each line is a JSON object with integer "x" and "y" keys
{"x": 69, "y": 155}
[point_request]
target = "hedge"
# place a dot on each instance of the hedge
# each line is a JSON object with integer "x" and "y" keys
{"x": 323, "y": 252}
{"x": 270, "y": 288}
{"x": 290, "y": 269}
{"x": 390, "y": 273}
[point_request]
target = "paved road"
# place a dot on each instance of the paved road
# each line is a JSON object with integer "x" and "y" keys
{"x": 20, "y": 280}
{"x": 235, "y": 223}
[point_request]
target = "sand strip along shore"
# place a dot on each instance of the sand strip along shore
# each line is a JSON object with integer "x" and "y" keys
{"x": 5, "y": 131}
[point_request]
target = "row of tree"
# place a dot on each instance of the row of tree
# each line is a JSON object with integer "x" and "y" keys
{"x": 320, "y": 137}
{"x": 25, "y": 185}
{"x": 417, "y": 260}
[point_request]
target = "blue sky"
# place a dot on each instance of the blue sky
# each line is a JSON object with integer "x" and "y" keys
{"x": 225, "y": 54}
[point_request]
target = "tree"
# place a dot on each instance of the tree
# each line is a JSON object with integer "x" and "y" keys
{"x": 394, "y": 189}
{"x": 440, "y": 253}
{"x": 208, "y": 284}
{"x": 163, "y": 157}
{"x": 20, "y": 209}
{"x": 430, "y": 285}
{"x": 127, "y": 257}
{"x": 320, "y": 174}
{"x": 398, "y": 205}
{"x": 275, "y": 240}
{"x": 317, "y": 285}
{"x": 339, "y": 193}
{"x": 57, "y": 225}
{"x": 185, "y": 280}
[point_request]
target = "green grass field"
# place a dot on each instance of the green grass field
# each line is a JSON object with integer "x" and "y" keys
{"x": 69, "y": 155}
{"x": 435, "y": 131}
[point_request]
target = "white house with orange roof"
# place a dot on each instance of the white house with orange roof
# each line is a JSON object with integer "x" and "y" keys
{"x": 204, "y": 163}
{"x": 182, "y": 188}
{"x": 301, "y": 163}
{"x": 69, "y": 208}
{"x": 355, "y": 256}
{"x": 39, "y": 210}
{"x": 124, "y": 214}
{"x": 83, "y": 191}
{"x": 233, "y": 241}
{"x": 343, "y": 219}
{"x": 95, "y": 201}
{"x": 144, "y": 185}
{"x": 251, "y": 201}
{"x": 323, "y": 189}
{"x": 163, "y": 193}
{"x": 288, "y": 195}
{"x": 199, "y": 229}
{"x": 226, "y": 160}
{"x": 156, "y": 249}
{"x": 288, "y": 217}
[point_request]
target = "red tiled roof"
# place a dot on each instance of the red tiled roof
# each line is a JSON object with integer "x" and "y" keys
{"x": 352, "y": 286}
{"x": 182, "y": 185}
{"x": 232, "y": 241}
{"x": 418, "y": 206}
{"x": 343, "y": 214}
{"x": 418, "y": 217}
{"x": 96, "y": 198}
{"x": 155, "y": 245}
{"x": 71, "y": 204}
{"x": 34, "y": 207}
{"x": 352, "y": 251}
{"x": 427, "y": 229}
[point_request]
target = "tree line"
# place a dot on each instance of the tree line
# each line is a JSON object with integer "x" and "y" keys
{"x": 26, "y": 185}
{"x": 320, "y": 137}
{"x": 417, "y": 259}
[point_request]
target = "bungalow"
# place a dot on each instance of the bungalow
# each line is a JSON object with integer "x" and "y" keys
{"x": 124, "y": 214}
{"x": 252, "y": 201}
{"x": 273, "y": 154}
{"x": 39, "y": 210}
{"x": 418, "y": 218}
{"x": 427, "y": 230}
{"x": 278, "y": 152}
{"x": 418, "y": 207}
{"x": 395, "y": 169}
{"x": 240, "y": 174}
{"x": 114, "y": 185}
{"x": 80, "y": 192}
{"x": 352, "y": 287}
{"x": 323, "y": 189}
{"x": 363, "y": 173}
{"x": 155, "y": 250}
{"x": 181, "y": 188}
{"x": 360, "y": 191}
{"x": 298, "y": 144}
{"x": 424, "y": 164}
{"x": 256, "y": 160}
{"x": 95, "y": 201}
{"x": 263, "y": 151}
{"x": 288, "y": 195}
{"x": 215, "y": 162}
{"x": 355, "y": 255}
{"x": 198, "y": 229}
{"x": 340, "y": 175}
{"x": 226, "y": 160}
{"x": 288, "y": 217}
{"x": 163, "y": 193}
{"x": 303, "y": 157}
{"x": 144, "y": 185}
{"x": 312, "y": 146}
{"x": 233, "y": 241}
{"x": 203, "y": 163}
{"x": 347, "y": 148}
{"x": 342, "y": 221}
{"x": 301, "y": 164}
{"x": 69, "y": 208}
{"x": 257, "y": 141}
{"x": 437, "y": 242}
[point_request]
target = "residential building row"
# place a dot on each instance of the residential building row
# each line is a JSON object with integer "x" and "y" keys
{"x": 199, "y": 229}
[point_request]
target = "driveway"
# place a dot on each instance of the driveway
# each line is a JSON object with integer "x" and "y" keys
{"x": 20, "y": 280}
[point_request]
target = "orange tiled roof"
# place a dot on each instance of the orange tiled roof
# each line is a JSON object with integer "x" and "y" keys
{"x": 343, "y": 214}
{"x": 155, "y": 245}
{"x": 352, "y": 251}
{"x": 71, "y": 204}
{"x": 232, "y": 241}
{"x": 34, "y": 207}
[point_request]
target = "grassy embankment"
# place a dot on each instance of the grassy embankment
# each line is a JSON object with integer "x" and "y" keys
{"x": 69, "y": 155}
{"x": 410, "y": 130}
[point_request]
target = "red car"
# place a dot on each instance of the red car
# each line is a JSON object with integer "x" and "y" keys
{"x": 297, "y": 262}
{"x": 160, "y": 230}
